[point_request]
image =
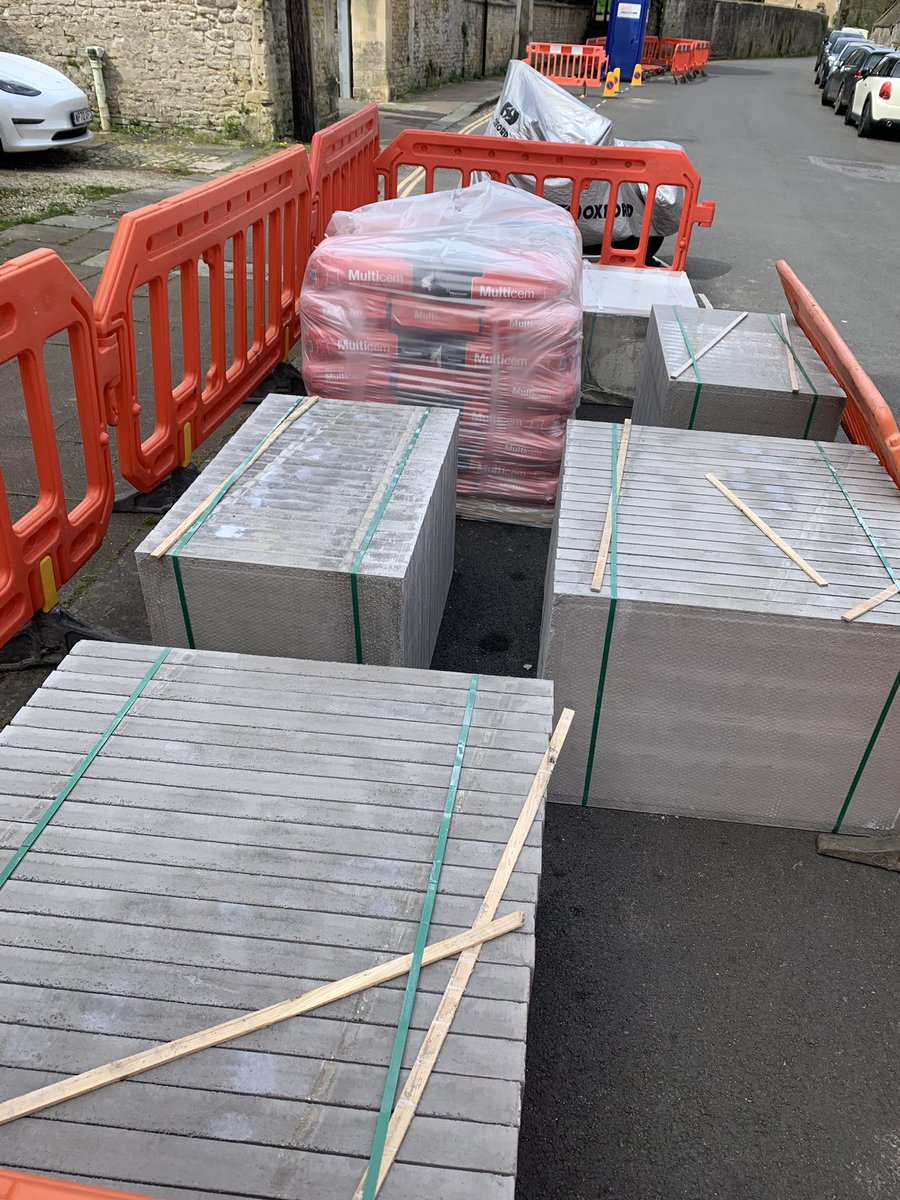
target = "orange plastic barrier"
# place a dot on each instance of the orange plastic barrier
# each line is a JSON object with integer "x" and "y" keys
{"x": 699, "y": 57}
{"x": 649, "y": 50}
{"x": 15, "y": 1185}
{"x": 868, "y": 420}
{"x": 39, "y": 299}
{"x": 568, "y": 65}
{"x": 341, "y": 162}
{"x": 682, "y": 59}
{"x": 253, "y": 224}
{"x": 596, "y": 41}
{"x": 552, "y": 161}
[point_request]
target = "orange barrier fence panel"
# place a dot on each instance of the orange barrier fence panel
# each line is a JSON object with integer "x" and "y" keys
{"x": 868, "y": 419}
{"x": 649, "y": 50}
{"x": 41, "y": 299}
{"x": 596, "y": 41}
{"x": 172, "y": 269}
{"x": 566, "y": 64}
{"x": 681, "y": 61}
{"x": 464, "y": 156}
{"x": 14, "y": 1185}
{"x": 341, "y": 164}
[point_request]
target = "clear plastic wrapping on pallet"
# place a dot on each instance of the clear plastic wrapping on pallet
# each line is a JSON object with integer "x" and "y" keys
{"x": 535, "y": 109}
{"x": 468, "y": 298}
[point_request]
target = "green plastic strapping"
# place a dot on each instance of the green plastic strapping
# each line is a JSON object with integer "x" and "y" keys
{"x": 859, "y": 517}
{"x": 867, "y": 753}
{"x": 216, "y": 498}
{"x": 79, "y": 771}
{"x": 611, "y": 616}
{"x": 896, "y": 685}
{"x": 373, "y": 526}
{"x": 690, "y": 351}
{"x": 388, "y": 1096}
{"x": 812, "y": 386}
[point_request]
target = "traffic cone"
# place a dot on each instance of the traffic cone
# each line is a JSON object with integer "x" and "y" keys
{"x": 637, "y": 77}
{"x": 611, "y": 83}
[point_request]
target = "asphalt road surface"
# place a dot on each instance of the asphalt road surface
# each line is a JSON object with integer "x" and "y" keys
{"x": 790, "y": 180}
{"x": 715, "y": 1008}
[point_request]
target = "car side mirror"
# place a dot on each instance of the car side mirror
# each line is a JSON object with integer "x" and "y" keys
{"x": 864, "y": 74}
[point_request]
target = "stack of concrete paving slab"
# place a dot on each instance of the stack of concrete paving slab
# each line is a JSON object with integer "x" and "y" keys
{"x": 727, "y": 683}
{"x": 251, "y": 829}
{"x": 617, "y": 302}
{"x": 761, "y": 377}
{"x": 346, "y": 490}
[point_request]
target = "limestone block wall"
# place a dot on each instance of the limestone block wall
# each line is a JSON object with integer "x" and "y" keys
{"x": 217, "y": 65}
{"x": 561, "y": 22}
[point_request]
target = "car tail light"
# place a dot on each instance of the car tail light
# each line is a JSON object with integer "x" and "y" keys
{"x": 858, "y": 75}
{"x": 884, "y": 92}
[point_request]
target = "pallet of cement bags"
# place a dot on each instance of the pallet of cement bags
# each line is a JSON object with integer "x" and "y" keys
{"x": 250, "y": 829}
{"x": 334, "y": 543}
{"x": 617, "y": 302}
{"x": 735, "y": 372}
{"x": 711, "y": 676}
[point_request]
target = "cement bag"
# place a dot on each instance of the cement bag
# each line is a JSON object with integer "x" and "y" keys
{"x": 667, "y": 205}
{"x": 533, "y": 109}
{"x": 469, "y": 299}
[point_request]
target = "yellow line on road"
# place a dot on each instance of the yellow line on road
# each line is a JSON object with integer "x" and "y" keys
{"x": 412, "y": 181}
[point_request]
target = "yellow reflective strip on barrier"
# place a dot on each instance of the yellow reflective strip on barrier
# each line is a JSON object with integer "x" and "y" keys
{"x": 48, "y": 584}
{"x": 188, "y": 446}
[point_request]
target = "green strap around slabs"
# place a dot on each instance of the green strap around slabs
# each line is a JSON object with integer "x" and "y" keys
{"x": 79, "y": 771}
{"x": 690, "y": 350}
{"x": 812, "y": 386}
{"x": 883, "y": 715}
{"x": 611, "y": 615}
{"x": 373, "y": 526}
{"x": 373, "y": 1170}
{"x": 218, "y": 495}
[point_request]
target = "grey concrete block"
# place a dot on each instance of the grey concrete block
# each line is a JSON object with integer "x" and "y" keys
{"x": 745, "y": 382}
{"x": 733, "y": 688}
{"x": 617, "y": 303}
{"x": 253, "y": 828}
{"x": 269, "y": 570}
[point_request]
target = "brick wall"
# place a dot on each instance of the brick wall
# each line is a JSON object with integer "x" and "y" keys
{"x": 560, "y": 22}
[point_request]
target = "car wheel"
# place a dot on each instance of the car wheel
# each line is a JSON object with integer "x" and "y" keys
{"x": 825, "y": 98}
{"x": 848, "y": 115}
{"x": 866, "y": 126}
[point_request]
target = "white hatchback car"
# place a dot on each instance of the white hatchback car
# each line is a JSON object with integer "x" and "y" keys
{"x": 40, "y": 109}
{"x": 876, "y": 99}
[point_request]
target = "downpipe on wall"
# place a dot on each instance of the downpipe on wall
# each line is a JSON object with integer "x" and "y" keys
{"x": 95, "y": 57}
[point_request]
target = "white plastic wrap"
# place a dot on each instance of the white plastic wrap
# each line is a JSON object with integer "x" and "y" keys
{"x": 535, "y": 109}
{"x": 469, "y": 298}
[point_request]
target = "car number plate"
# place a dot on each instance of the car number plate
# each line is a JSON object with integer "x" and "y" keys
{"x": 81, "y": 116}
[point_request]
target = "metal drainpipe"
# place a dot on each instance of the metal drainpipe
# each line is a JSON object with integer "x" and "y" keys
{"x": 95, "y": 56}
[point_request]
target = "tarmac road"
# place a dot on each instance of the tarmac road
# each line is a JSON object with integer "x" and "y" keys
{"x": 714, "y": 1011}
{"x": 790, "y": 180}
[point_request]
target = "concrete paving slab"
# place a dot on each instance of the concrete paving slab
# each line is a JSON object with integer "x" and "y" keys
{"x": 115, "y": 918}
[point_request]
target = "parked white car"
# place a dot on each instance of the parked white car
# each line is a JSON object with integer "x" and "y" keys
{"x": 876, "y": 99}
{"x": 40, "y": 109}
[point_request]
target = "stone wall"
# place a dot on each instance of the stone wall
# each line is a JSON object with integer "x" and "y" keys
{"x": 217, "y": 65}
{"x": 736, "y": 29}
{"x": 431, "y": 43}
{"x": 560, "y": 22}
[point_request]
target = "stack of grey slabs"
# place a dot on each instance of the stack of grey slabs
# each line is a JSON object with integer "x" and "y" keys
{"x": 335, "y": 544}
{"x": 761, "y": 377}
{"x": 723, "y": 681}
{"x": 252, "y": 829}
{"x": 617, "y": 303}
